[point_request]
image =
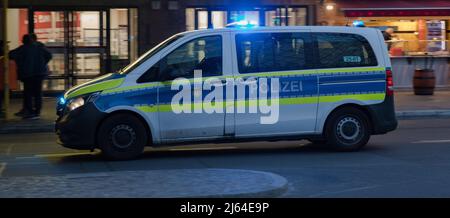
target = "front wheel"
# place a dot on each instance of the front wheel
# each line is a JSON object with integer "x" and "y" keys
{"x": 348, "y": 130}
{"x": 122, "y": 137}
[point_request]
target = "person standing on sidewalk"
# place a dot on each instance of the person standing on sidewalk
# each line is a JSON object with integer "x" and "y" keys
{"x": 31, "y": 59}
{"x": 387, "y": 35}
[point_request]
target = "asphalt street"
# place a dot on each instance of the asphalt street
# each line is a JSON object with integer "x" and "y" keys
{"x": 413, "y": 161}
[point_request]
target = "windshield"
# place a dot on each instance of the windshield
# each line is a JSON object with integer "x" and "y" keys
{"x": 150, "y": 53}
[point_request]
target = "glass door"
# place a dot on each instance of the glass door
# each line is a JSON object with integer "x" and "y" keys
{"x": 276, "y": 17}
{"x": 49, "y": 26}
{"x": 78, "y": 42}
{"x": 87, "y": 44}
{"x": 202, "y": 19}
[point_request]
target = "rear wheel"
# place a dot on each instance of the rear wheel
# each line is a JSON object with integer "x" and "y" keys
{"x": 122, "y": 137}
{"x": 348, "y": 129}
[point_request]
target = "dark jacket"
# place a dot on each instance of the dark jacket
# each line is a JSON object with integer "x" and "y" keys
{"x": 31, "y": 61}
{"x": 387, "y": 36}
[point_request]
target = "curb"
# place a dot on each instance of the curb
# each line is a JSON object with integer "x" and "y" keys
{"x": 417, "y": 114}
{"x": 176, "y": 183}
{"x": 280, "y": 187}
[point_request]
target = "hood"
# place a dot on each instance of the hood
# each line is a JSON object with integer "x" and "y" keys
{"x": 108, "y": 81}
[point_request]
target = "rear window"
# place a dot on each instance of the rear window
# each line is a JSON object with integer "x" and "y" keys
{"x": 268, "y": 52}
{"x": 344, "y": 50}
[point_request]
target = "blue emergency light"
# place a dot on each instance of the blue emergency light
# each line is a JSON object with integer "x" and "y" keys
{"x": 358, "y": 23}
{"x": 242, "y": 24}
{"x": 62, "y": 100}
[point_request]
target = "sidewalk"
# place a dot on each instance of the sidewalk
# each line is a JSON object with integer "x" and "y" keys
{"x": 17, "y": 125}
{"x": 408, "y": 106}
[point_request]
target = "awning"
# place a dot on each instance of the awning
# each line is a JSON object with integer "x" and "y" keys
{"x": 386, "y": 8}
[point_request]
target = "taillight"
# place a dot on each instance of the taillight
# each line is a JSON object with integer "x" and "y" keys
{"x": 389, "y": 83}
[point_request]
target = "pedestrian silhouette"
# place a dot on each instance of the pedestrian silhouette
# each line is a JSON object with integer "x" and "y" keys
{"x": 31, "y": 59}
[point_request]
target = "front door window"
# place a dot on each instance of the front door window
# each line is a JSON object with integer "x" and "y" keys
{"x": 199, "y": 54}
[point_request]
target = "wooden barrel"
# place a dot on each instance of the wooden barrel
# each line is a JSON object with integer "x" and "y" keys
{"x": 424, "y": 82}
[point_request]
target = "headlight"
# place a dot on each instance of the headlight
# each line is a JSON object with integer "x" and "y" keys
{"x": 75, "y": 103}
{"x": 81, "y": 100}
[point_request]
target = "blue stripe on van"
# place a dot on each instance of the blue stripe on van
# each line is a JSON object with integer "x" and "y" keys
{"x": 336, "y": 84}
{"x": 363, "y": 87}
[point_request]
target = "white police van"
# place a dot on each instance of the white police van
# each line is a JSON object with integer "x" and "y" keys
{"x": 330, "y": 85}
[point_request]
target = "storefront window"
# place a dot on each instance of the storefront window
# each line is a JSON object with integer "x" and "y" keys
{"x": 78, "y": 41}
{"x": 119, "y": 33}
{"x": 87, "y": 28}
{"x": 297, "y": 16}
{"x": 202, "y": 20}
{"x": 219, "y": 19}
{"x": 17, "y": 26}
{"x": 49, "y": 27}
{"x": 276, "y": 17}
{"x": 123, "y": 35}
{"x": 190, "y": 19}
{"x": 198, "y": 18}
{"x": 413, "y": 36}
{"x": 271, "y": 18}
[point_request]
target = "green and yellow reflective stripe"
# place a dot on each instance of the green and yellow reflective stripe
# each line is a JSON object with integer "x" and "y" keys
{"x": 281, "y": 101}
{"x": 129, "y": 88}
{"x": 108, "y": 84}
{"x": 359, "y": 97}
{"x": 272, "y": 74}
{"x": 324, "y": 71}
{"x": 351, "y": 70}
{"x": 158, "y": 84}
{"x": 147, "y": 108}
{"x": 305, "y": 100}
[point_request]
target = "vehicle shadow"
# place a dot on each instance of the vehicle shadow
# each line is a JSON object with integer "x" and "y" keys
{"x": 172, "y": 152}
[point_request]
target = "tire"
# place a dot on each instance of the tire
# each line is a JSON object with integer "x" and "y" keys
{"x": 348, "y": 129}
{"x": 122, "y": 137}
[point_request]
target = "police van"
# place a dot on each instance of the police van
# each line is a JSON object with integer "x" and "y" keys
{"x": 330, "y": 85}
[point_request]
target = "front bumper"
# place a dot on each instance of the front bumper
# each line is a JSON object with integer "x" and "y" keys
{"x": 77, "y": 129}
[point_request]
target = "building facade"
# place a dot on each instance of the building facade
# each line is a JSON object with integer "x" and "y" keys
{"x": 88, "y": 38}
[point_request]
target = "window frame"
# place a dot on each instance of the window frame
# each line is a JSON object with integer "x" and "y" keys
{"x": 305, "y": 35}
{"x": 318, "y": 64}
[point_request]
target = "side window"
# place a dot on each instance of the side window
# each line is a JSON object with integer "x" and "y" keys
{"x": 203, "y": 53}
{"x": 266, "y": 52}
{"x": 344, "y": 50}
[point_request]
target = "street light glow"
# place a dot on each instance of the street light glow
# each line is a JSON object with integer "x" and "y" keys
{"x": 329, "y": 7}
